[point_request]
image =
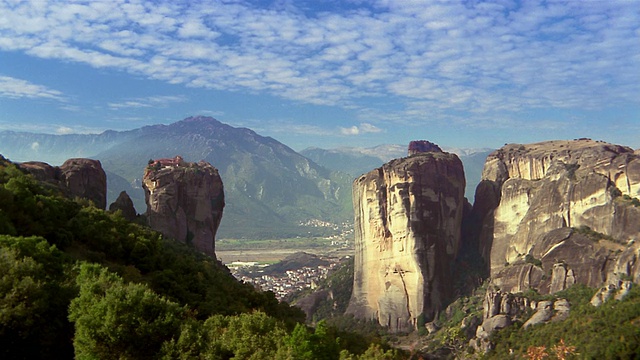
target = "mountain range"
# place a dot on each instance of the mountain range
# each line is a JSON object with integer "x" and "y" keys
{"x": 271, "y": 190}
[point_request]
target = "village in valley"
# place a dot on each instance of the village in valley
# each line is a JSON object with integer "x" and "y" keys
{"x": 285, "y": 283}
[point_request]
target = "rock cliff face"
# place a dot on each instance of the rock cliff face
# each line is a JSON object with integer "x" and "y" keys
{"x": 125, "y": 205}
{"x": 82, "y": 178}
{"x": 558, "y": 213}
{"x": 184, "y": 201}
{"x": 408, "y": 216}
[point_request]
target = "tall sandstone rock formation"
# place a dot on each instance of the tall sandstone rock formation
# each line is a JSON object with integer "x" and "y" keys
{"x": 408, "y": 217}
{"x": 560, "y": 212}
{"x": 184, "y": 201}
{"x": 79, "y": 177}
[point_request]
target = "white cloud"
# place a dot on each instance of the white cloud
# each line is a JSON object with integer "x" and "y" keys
{"x": 46, "y": 128}
{"x": 62, "y": 130}
{"x": 362, "y": 129}
{"x": 148, "y": 102}
{"x": 288, "y": 127}
{"x": 17, "y": 88}
{"x": 464, "y": 57}
{"x": 354, "y": 130}
{"x": 195, "y": 28}
{"x": 368, "y": 128}
{"x": 35, "y": 146}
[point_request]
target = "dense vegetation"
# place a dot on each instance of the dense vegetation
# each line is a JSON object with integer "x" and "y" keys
{"x": 76, "y": 280}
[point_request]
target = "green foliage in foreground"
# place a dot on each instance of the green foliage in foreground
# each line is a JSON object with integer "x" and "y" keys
{"x": 75, "y": 280}
{"x": 129, "y": 320}
{"x": 34, "y": 296}
{"x": 113, "y": 317}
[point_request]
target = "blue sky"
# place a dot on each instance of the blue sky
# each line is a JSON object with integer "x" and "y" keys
{"x": 327, "y": 73}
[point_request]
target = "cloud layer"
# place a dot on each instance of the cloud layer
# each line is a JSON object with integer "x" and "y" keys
{"x": 17, "y": 88}
{"x": 428, "y": 58}
{"x": 147, "y": 102}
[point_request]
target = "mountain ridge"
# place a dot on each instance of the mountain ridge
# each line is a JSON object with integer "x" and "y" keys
{"x": 271, "y": 187}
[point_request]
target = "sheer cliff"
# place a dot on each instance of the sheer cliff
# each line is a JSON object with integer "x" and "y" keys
{"x": 408, "y": 216}
{"x": 185, "y": 201}
{"x": 584, "y": 187}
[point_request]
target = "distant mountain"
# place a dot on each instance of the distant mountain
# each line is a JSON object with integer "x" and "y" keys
{"x": 357, "y": 161}
{"x": 270, "y": 189}
{"x": 56, "y": 149}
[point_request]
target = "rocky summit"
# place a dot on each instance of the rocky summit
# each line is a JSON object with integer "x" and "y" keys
{"x": 408, "y": 216}
{"x": 184, "y": 200}
{"x": 83, "y": 178}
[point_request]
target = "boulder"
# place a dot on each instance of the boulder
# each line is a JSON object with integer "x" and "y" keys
{"x": 625, "y": 287}
{"x": 125, "y": 205}
{"x": 469, "y": 325}
{"x": 408, "y": 216}
{"x": 603, "y": 294}
{"x": 561, "y": 308}
{"x": 494, "y": 323}
{"x": 544, "y": 313}
{"x": 619, "y": 289}
{"x": 185, "y": 201}
{"x": 83, "y": 178}
{"x": 431, "y": 327}
{"x": 498, "y": 303}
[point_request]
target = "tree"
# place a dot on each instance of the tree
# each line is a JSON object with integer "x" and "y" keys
{"x": 117, "y": 320}
{"x": 34, "y": 295}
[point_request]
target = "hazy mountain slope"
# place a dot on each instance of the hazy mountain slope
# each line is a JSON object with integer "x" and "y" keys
{"x": 357, "y": 161}
{"x": 270, "y": 189}
{"x": 55, "y": 149}
{"x": 348, "y": 160}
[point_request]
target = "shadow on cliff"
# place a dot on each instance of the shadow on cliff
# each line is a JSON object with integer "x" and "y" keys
{"x": 472, "y": 265}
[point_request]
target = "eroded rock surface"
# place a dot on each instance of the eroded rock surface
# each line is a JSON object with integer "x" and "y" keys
{"x": 83, "y": 178}
{"x": 408, "y": 216}
{"x": 530, "y": 191}
{"x": 184, "y": 201}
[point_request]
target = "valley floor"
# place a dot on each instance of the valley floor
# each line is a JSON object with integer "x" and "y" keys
{"x": 248, "y": 264}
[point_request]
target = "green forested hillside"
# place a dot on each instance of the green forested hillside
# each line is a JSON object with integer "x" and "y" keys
{"x": 78, "y": 281}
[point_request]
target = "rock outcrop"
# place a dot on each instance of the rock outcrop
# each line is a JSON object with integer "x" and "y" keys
{"x": 585, "y": 188}
{"x": 408, "y": 217}
{"x": 421, "y": 146}
{"x": 501, "y": 309}
{"x": 184, "y": 201}
{"x": 83, "y": 178}
{"x": 125, "y": 205}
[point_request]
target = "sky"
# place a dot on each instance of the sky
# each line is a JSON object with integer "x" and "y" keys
{"x": 325, "y": 73}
